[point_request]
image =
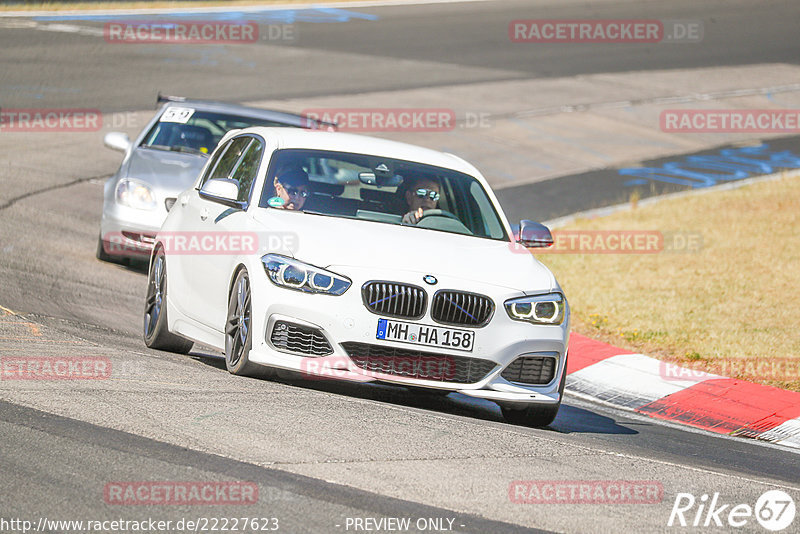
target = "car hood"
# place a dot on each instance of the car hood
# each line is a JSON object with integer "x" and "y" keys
{"x": 166, "y": 171}
{"x": 332, "y": 241}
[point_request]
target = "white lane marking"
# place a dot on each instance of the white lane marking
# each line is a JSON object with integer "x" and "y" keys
{"x": 226, "y": 9}
{"x": 787, "y": 433}
{"x": 632, "y": 380}
{"x": 17, "y": 24}
{"x": 66, "y": 28}
{"x": 659, "y": 100}
{"x": 62, "y": 28}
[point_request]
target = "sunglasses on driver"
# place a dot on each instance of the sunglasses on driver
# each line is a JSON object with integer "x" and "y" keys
{"x": 294, "y": 191}
{"x": 429, "y": 193}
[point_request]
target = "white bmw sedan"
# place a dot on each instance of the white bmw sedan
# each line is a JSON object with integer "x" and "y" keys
{"x": 356, "y": 258}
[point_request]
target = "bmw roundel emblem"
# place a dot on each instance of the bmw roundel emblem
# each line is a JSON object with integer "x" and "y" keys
{"x": 430, "y": 279}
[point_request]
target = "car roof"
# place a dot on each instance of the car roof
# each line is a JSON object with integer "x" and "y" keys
{"x": 362, "y": 144}
{"x": 283, "y": 117}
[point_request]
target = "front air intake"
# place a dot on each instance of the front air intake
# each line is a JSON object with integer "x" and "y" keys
{"x": 293, "y": 337}
{"x": 531, "y": 370}
{"x": 410, "y": 363}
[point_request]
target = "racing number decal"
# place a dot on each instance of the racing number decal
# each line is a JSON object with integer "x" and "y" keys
{"x": 179, "y": 115}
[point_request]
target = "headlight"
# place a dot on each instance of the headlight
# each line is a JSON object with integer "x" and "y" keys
{"x": 135, "y": 194}
{"x": 538, "y": 309}
{"x": 293, "y": 274}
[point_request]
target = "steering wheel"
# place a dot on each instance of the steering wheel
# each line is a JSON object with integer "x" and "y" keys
{"x": 438, "y": 213}
{"x": 442, "y": 220}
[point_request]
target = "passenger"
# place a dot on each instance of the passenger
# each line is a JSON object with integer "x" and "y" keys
{"x": 292, "y": 187}
{"x": 421, "y": 194}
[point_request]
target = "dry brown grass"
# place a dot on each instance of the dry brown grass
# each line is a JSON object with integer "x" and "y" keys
{"x": 737, "y": 299}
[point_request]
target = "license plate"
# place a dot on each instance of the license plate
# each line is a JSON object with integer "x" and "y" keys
{"x": 428, "y": 335}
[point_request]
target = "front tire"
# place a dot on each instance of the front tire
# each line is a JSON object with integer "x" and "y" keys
{"x": 536, "y": 416}
{"x": 156, "y": 333}
{"x": 429, "y": 392}
{"x": 102, "y": 255}
{"x": 238, "y": 331}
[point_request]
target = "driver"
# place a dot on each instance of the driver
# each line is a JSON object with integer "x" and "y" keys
{"x": 292, "y": 188}
{"x": 422, "y": 194}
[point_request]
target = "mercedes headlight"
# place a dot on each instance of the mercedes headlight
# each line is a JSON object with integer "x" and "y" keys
{"x": 538, "y": 309}
{"x": 293, "y": 274}
{"x": 135, "y": 194}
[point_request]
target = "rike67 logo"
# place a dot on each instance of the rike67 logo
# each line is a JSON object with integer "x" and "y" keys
{"x": 774, "y": 510}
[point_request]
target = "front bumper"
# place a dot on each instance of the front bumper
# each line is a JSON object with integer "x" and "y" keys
{"x": 344, "y": 321}
{"x": 129, "y": 232}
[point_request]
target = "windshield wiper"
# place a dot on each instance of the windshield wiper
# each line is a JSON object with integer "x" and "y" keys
{"x": 178, "y": 148}
{"x": 190, "y": 150}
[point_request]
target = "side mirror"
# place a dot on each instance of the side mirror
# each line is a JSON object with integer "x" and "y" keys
{"x": 534, "y": 235}
{"x": 117, "y": 141}
{"x": 222, "y": 190}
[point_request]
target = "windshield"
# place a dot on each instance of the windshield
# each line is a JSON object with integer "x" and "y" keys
{"x": 384, "y": 190}
{"x": 184, "y": 129}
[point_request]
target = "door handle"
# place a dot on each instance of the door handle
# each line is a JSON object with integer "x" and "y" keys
{"x": 204, "y": 214}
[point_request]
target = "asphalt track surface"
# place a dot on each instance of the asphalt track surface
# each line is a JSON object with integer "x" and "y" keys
{"x": 566, "y": 195}
{"x": 320, "y": 452}
{"x": 404, "y": 47}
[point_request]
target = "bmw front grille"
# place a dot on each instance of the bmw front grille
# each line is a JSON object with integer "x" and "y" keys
{"x": 394, "y": 299}
{"x": 461, "y": 308}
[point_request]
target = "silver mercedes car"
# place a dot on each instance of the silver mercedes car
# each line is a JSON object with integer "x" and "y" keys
{"x": 164, "y": 160}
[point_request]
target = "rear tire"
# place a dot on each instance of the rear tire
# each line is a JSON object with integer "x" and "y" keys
{"x": 156, "y": 333}
{"x": 238, "y": 331}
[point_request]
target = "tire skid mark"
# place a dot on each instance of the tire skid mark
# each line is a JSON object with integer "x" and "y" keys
{"x": 38, "y": 340}
{"x": 14, "y": 200}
